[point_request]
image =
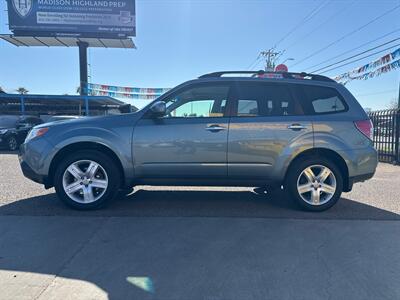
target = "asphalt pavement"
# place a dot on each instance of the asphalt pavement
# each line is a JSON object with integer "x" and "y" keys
{"x": 199, "y": 243}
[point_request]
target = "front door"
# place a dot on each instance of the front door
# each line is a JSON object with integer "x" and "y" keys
{"x": 190, "y": 142}
{"x": 267, "y": 125}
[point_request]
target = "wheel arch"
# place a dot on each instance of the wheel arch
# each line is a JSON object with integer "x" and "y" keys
{"x": 78, "y": 146}
{"x": 335, "y": 157}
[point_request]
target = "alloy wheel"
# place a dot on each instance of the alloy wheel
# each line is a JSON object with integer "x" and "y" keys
{"x": 12, "y": 144}
{"x": 85, "y": 181}
{"x": 316, "y": 185}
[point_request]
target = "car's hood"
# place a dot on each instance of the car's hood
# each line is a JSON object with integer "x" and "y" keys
{"x": 97, "y": 121}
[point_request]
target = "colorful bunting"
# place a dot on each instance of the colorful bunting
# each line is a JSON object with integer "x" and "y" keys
{"x": 125, "y": 92}
{"x": 383, "y": 61}
{"x": 386, "y": 68}
{"x": 123, "y": 95}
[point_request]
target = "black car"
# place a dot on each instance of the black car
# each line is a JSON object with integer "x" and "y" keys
{"x": 14, "y": 129}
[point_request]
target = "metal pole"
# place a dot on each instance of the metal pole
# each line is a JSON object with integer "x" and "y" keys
{"x": 398, "y": 98}
{"x": 397, "y": 138}
{"x": 87, "y": 105}
{"x": 22, "y": 105}
{"x": 83, "y": 67}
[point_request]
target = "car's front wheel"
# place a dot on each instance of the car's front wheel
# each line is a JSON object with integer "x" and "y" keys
{"x": 315, "y": 184}
{"x": 86, "y": 180}
{"x": 12, "y": 143}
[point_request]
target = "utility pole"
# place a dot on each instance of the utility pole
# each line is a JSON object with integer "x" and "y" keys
{"x": 270, "y": 58}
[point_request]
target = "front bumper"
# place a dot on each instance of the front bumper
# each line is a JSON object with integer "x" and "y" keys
{"x": 33, "y": 160}
{"x": 29, "y": 173}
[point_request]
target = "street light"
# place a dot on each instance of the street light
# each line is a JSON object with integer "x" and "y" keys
{"x": 287, "y": 60}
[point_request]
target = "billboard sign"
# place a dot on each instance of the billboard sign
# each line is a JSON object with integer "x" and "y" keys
{"x": 72, "y": 18}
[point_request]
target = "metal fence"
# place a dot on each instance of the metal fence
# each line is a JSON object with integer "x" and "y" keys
{"x": 387, "y": 134}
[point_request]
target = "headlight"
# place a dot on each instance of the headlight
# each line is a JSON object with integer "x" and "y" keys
{"x": 3, "y": 131}
{"x": 36, "y": 132}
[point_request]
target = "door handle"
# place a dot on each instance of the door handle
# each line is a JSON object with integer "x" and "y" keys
{"x": 215, "y": 128}
{"x": 297, "y": 127}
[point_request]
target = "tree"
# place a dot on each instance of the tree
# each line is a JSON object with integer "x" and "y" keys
{"x": 393, "y": 104}
{"x": 22, "y": 91}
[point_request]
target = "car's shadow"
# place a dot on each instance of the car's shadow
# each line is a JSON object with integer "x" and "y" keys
{"x": 3, "y": 151}
{"x": 204, "y": 203}
{"x": 178, "y": 256}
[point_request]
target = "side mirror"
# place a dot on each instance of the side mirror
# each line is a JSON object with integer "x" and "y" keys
{"x": 158, "y": 109}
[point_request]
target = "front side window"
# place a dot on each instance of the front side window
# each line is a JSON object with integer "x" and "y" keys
{"x": 322, "y": 100}
{"x": 265, "y": 100}
{"x": 198, "y": 102}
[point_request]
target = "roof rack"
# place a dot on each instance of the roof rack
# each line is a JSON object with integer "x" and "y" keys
{"x": 287, "y": 75}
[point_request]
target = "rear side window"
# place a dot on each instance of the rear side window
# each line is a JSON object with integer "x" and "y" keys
{"x": 323, "y": 100}
{"x": 265, "y": 100}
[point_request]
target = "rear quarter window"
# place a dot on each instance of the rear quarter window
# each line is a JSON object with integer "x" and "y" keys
{"x": 322, "y": 100}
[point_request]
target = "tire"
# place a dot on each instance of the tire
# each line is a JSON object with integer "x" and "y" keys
{"x": 12, "y": 143}
{"x": 87, "y": 190}
{"x": 319, "y": 194}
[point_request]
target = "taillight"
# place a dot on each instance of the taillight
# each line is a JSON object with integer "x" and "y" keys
{"x": 366, "y": 128}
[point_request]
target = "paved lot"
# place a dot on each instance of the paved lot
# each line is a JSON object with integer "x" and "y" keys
{"x": 215, "y": 243}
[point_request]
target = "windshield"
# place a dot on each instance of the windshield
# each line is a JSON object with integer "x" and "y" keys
{"x": 8, "y": 121}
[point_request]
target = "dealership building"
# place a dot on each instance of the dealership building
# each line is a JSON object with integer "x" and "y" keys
{"x": 45, "y": 106}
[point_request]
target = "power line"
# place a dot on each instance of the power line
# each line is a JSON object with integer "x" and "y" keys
{"x": 254, "y": 62}
{"x": 323, "y": 23}
{"x": 307, "y": 18}
{"x": 351, "y": 50}
{"x": 372, "y": 54}
{"x": 355, "y": 55}
{"x": 348, "y": 34}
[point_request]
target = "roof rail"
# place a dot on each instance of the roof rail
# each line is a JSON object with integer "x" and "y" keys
{"x": 287, "y": 75}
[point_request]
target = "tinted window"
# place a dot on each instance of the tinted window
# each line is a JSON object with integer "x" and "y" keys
{"x": 247, "y": 107}
{"x": 265, "y": 100}
{"x": 8, "y": 121}
{"x": 320, "y": 100}
{"x": 205, "y": 101}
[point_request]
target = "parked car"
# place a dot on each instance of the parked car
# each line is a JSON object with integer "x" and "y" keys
{"x": 14, "y": 129}
{"x": 304, "y": 132}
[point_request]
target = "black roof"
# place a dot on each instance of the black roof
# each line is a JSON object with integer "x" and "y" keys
{"x": 286, "y": 75}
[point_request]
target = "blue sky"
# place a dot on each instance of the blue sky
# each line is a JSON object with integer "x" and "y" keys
{"x": 180, "y": 40}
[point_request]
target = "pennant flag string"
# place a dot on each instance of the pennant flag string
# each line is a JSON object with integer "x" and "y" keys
{"x": 94, "y": 88}
{"x": 384, "y": 60}
{"x": 384, "y": 69}
{"x": 123, "y": 95}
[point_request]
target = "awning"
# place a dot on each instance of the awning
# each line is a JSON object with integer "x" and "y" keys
{"x": 29, "y": 41}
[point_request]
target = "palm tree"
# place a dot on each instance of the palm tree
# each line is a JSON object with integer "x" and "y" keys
{"x": 22, "y": 91}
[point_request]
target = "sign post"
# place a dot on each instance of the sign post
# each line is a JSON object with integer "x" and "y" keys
{"x": 83, "y": 67}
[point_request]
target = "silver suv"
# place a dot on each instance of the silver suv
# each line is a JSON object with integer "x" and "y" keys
{"x": 303, "y": 132}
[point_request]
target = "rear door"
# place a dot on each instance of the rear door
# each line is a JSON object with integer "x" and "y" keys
{"x": 266, "y": 125}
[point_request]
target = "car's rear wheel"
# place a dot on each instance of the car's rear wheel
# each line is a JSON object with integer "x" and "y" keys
{"x": 315, "y": 184}
{"x": 12, "y": 143}
{"x": 86, "y": 180}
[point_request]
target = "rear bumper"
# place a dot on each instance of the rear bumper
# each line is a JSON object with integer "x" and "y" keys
{"x": 361, "y": 165}
{"x": 355, "y": 179}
